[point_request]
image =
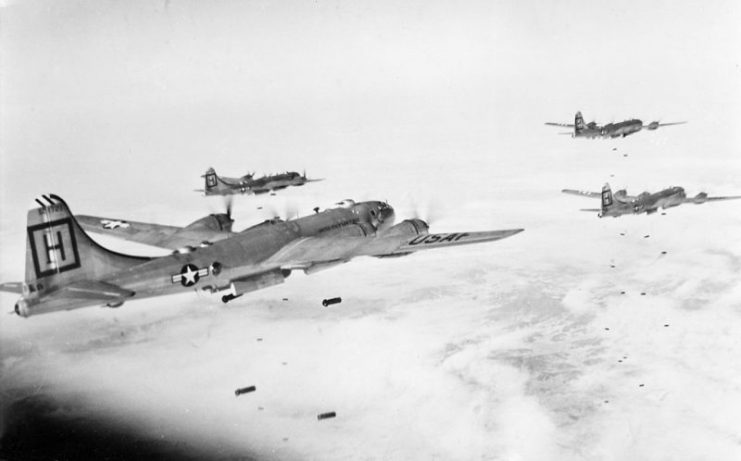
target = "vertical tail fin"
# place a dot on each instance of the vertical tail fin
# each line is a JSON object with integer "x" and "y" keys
{"x": 578, "y": 122}
{"x": 214, "y": 185}
{"x": 607, "y": 201}
{"x": 211, "y": 180}
{"x": 59, "y": 252}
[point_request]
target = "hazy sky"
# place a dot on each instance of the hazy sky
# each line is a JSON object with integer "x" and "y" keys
{"x": 161, "y": 90}
{"x": 119, "y": 107}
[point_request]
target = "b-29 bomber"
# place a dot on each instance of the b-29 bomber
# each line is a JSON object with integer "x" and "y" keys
{"x": 248, "y": 184}
{"x": 611, "y": 130}
{"x": 66, "y": 269}
{"x": 620, "y": 203}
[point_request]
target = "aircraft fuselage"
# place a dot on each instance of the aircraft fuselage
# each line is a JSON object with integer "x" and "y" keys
{"x": 263, "y": 184}
{"x": 647, "y": 202}
{"x": 239, "y": 263}
{"x": 611, "y": 130}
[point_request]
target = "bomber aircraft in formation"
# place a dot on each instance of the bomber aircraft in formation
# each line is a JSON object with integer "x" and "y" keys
{"x": 66, "y": 269}
{"x": 620, "y": 203}
{"x": 248, "y": 184}
{"x": 611, "y": 130}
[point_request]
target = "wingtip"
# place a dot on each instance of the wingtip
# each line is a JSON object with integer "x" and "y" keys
{"x": 511, "y": 232}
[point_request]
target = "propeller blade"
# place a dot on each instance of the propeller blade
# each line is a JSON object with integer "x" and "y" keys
{"x": 428, "y": 213}
{"x": 288, "y": 211}
{"x": 228, "y": 203}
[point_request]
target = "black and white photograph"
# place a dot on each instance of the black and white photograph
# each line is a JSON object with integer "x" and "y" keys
{"x": 370, "y": 230}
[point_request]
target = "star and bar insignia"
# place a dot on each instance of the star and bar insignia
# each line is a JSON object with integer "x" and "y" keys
{"x": 113, "y": 224}
{"x": 189, "y": 275}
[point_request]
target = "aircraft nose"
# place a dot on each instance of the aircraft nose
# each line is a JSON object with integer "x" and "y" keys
{"x": 387, "y": 214}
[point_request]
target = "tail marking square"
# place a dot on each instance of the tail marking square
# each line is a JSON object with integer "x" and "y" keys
{"x": 53, "y": 247}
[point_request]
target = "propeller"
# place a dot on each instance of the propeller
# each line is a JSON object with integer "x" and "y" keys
{"x": 305, "y": 179}
{"x": 221, "y": 219}
{"x": 228, "y": 204}
{"x": 288, "y": 211}
{"x": 428, "y": 213}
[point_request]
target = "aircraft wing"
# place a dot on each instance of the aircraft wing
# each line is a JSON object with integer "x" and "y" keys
{"x": 670, "y": 124}
{"x": 150, "y": 234}
{"x": 158, "y": 235}
{"x": 567, "y": 125}
{"x": 712, "y": 199}
{"x": 582, "y": 193}
{"x": 702, "y": 199}
{"x": 317, "y": 250}
{"x": 431, "y": 241}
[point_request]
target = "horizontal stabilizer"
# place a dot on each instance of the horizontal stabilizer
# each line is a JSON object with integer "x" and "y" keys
{"x": 12, "y": 287}
{"x": 566, "y": 125}
{"x": 597, "y": 210}
{"x": 582, "y": 193}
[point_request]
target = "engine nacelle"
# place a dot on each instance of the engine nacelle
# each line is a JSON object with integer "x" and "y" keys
{"x": 217, "y": 222}
{"x": 408, "y": 227}
{"x": 652, "y": 125}
{"x": 702, "y": 197}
